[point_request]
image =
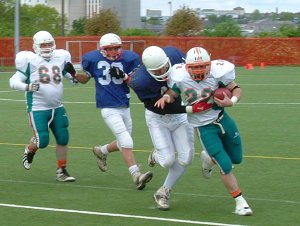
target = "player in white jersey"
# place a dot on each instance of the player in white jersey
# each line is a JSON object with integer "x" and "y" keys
{"x": 197, "y": 79}
{"x": 40, "y": 75}
{"x": 112, "y": 99}
{"x": 171, "y": 134}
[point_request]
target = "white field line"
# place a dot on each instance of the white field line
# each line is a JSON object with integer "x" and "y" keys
{"x": 115, "y": 215}
{"x": 140, "y": 103}
{"x": 279, "y": 201}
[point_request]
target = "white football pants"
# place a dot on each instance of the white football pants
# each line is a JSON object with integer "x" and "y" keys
{"x": 120, "y": 123}
{"x": 169, "y": 133}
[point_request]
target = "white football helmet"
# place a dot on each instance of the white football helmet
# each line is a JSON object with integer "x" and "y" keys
{"x": 198, "y": 63}
{"x": 157, "y": 63}
{"x": 111, "y": 46}
{"x": 43, "y": 44}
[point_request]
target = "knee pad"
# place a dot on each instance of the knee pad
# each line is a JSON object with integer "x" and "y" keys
{"x": 62, "y": 136}
{"x": 168, "y": 161}
{"x": 43, "y": 139}
{"x": 223, "y": 161}
{"x": 124, "y": 140}
{"x": 185, "y": 162}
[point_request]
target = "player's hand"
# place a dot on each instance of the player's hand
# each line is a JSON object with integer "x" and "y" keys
{"x": 70, "y": 69}
{"x": 34, "y": 86}
{"x": 226, "y": 102}
{"x": 198, "y": 107}
{"x": 117, "y": 73}
{"x": 73, "y": 81}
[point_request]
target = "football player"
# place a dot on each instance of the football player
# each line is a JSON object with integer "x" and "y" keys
{"x": 112, "y": 99}
{"x": 172, "y": 136}
{"x": 40, "y": 75}
{"x": 218, "y": 133}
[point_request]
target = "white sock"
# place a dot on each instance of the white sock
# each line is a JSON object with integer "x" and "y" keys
{"x": 133, "y": 169}
{"x": 104, "y": 149}
{"x": 174, "y": 174}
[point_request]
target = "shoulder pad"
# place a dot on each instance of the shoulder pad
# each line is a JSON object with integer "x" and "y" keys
{"x": 220, "y": 68}
{"x": 178, "y": 72}
{"x": 63, "y": 54}
{"x": 23, "y": 58}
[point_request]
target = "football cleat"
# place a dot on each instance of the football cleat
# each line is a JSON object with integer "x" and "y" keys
{"x": 63, "y": 175}
{"x": 101, "y": 158}
{"x": 207, "y": 164}
{"x": 141, "y": 179}
{"x": 161, "y": 197}
{"x": 242, "y": 208}
{"x": 151, "y": 160}
{"x": 27, "y": 158}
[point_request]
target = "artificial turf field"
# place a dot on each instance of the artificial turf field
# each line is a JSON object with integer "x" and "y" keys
{"x": 268, "y": 118}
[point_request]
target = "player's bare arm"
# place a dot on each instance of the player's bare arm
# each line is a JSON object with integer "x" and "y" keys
{"x": 80, "y": 77}
{"x": 168, "y": 97}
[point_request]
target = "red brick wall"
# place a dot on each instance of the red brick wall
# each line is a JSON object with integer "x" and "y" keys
{"x": 240, "y": 51}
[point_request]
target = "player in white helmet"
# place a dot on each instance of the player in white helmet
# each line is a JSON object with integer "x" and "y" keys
{"x": 40, "y": 75}
{"x": 171, "y": 135}
{"x": 197, "y": 79}
{"x": 112, "y": 99}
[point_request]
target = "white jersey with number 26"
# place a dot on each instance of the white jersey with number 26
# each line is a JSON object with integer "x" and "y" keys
{"x": 222, "y": 72}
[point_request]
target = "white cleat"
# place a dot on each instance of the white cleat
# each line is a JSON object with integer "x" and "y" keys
{"x": 242, "y": 208}
{"x": 141, "y": 179}
{"x": 27, "y": 158}
{"x": 101, "y": 158}
{"x": 151, "y": 159}
{"x": 161, "y": 197}
{"x": 207, "y": 164}
{"x": 63, "y": 175}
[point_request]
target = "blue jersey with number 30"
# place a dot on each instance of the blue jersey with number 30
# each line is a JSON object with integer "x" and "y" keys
{"x": 110, "y": 92}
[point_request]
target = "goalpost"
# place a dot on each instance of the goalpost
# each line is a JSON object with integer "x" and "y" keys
{"x": 79, "y": 48}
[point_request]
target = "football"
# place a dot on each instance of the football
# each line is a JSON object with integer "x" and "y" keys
{"x": 219, "y": 93}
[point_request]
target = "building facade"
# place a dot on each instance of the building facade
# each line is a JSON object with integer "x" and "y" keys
{"x": 128, "y": 11}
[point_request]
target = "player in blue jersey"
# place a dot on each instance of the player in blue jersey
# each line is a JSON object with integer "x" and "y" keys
{"x": 112, "y": 98}
{"x": 168, "y": 131}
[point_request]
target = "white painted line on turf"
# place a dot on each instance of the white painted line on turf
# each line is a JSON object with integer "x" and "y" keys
{"x": 148, "y": 191}
{"x": 140, "y": 103}
{"x": 115, "y": 215}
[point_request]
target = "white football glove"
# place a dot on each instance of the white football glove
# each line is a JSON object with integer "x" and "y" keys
{"x": 34, "y": 86}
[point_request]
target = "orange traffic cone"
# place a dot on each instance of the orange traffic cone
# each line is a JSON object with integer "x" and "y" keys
{"x": 262, "y": 66}
{"x": 249, "y": 67}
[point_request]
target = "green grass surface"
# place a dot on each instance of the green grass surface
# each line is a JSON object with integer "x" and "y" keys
{"x": 268, "y": 118}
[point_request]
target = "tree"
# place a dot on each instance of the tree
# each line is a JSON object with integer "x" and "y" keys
{"x": 286, "y": 16}
{"x": 7, "y": 19}
{"x": 32, "y": 19}
{"x": 255, "y": 15}
{"x": 39, "y": 17}
{"x": 184, "y": 22}
{"x": 104, "y": 22}
{"x": 137, "y": 32}
{"x": 78, "y": 26}
{"x": 229, "y": 28}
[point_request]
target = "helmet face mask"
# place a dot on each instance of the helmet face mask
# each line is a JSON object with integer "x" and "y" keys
{"x": 157, "y": 63}
{"x": 198, "y": 63}
{"x": 44, "y": 44}
{"x": 111, "y": 46}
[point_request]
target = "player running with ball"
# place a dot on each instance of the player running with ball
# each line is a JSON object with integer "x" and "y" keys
{"x": 197, "y": 79}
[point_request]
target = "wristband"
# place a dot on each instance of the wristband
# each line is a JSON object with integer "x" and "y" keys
{"x": 168, "y": 96}
{"x": 189, "y": 109}
{"x": 234, "y": 100}
{"x": 125, "y": 77}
